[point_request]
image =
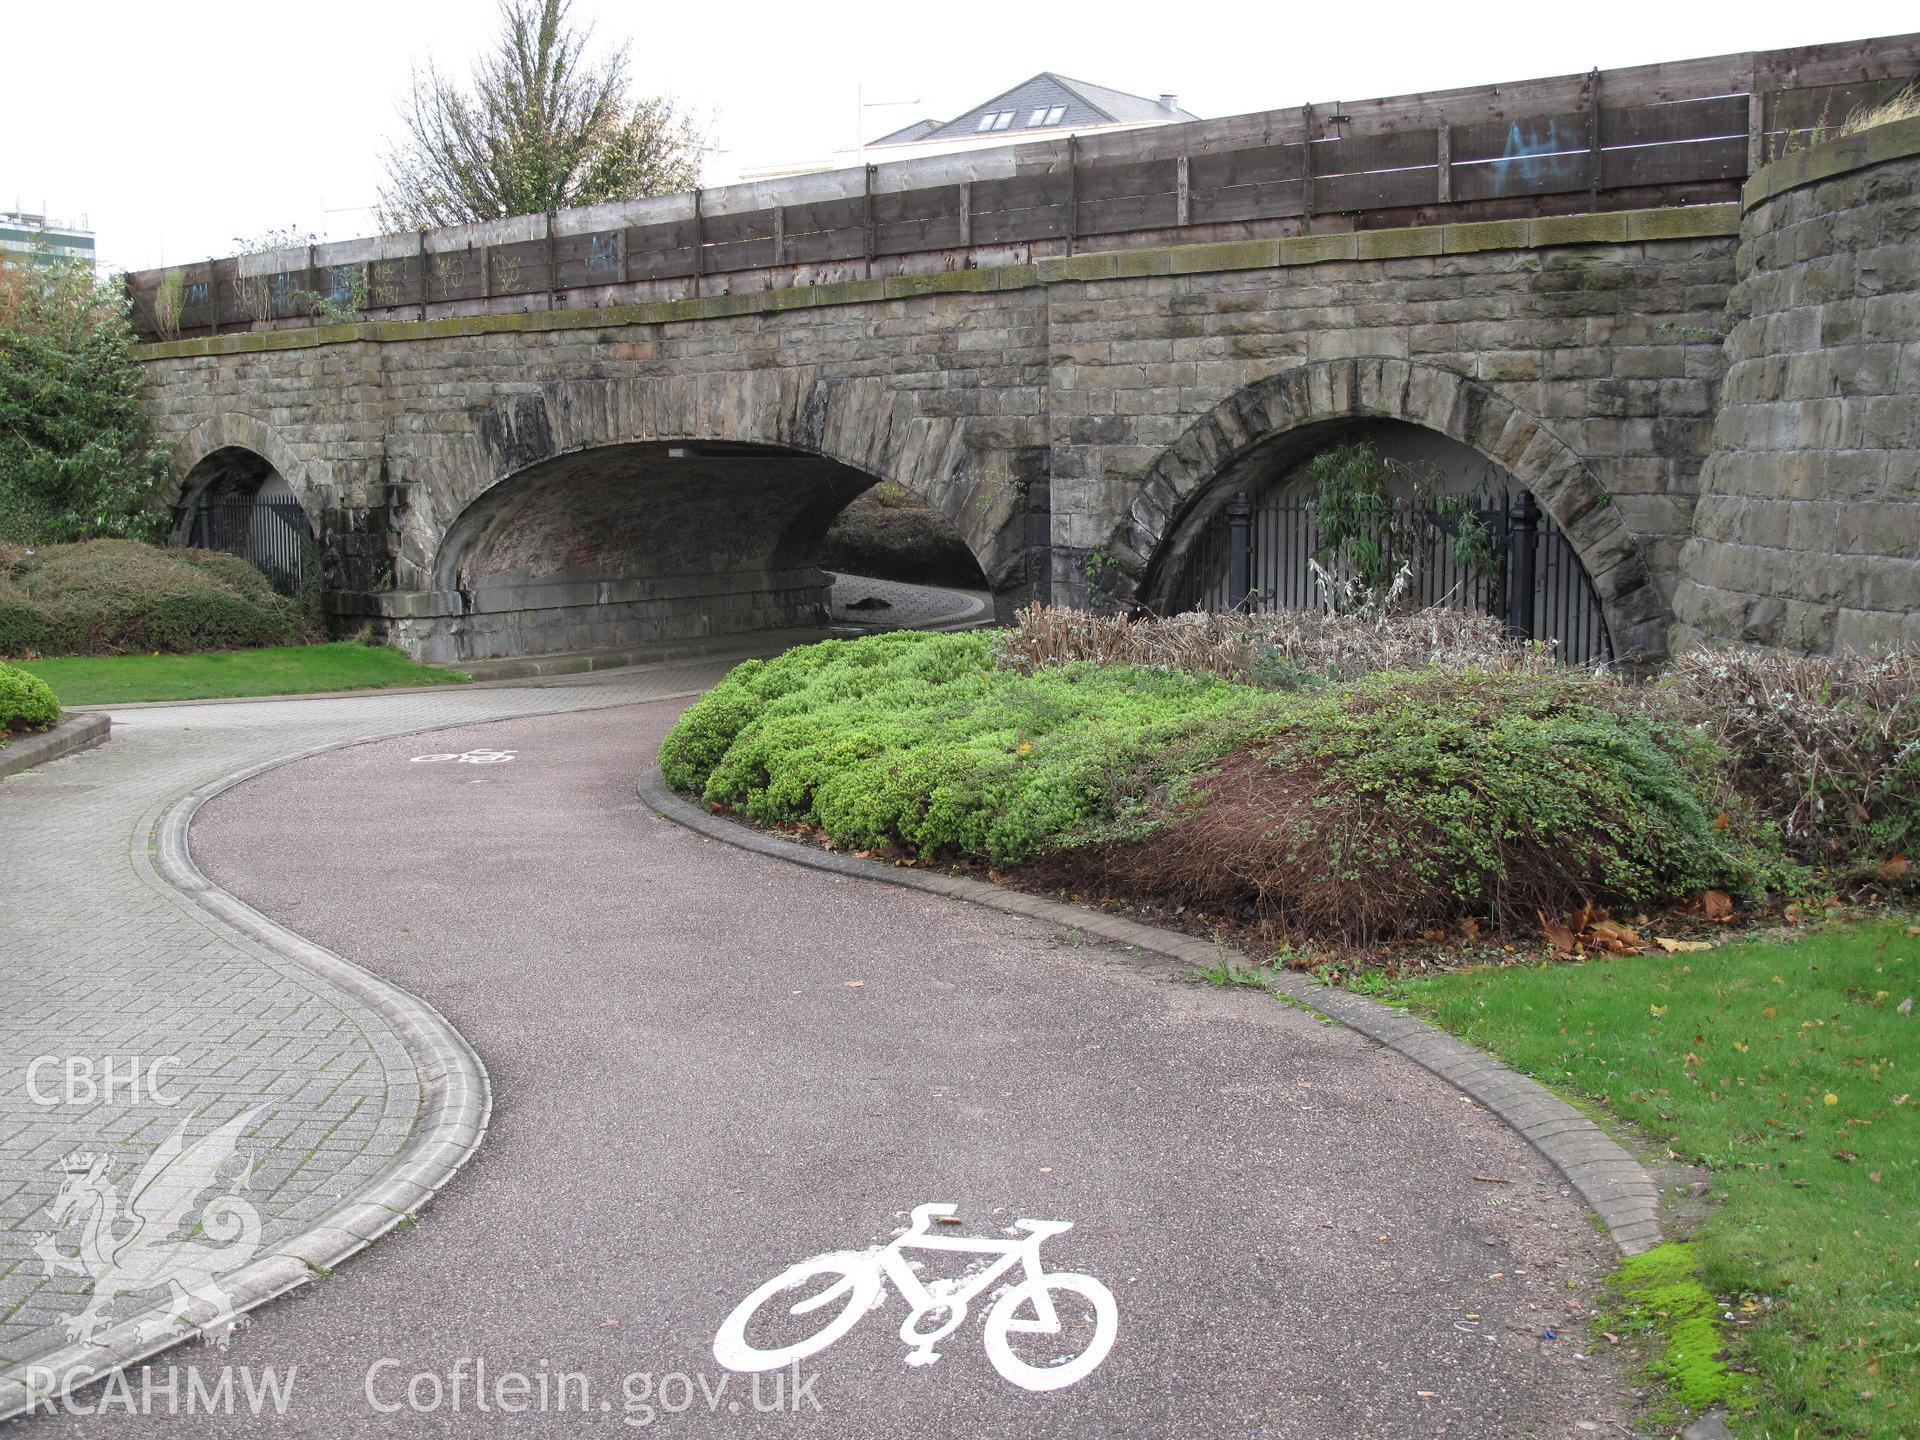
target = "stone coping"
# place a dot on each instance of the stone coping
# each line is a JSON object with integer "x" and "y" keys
{"x": 1605, "y": 1173}
{"x": 77, "y": 732}
{"x": 1607, "y": 227}
{"x": 1830, "y": 158}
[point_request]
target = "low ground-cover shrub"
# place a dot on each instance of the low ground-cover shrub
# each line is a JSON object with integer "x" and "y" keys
{"x": 25, "y": 702}
{"x": 109, "y": 597}
{"x": 1404, "y": 801}
{"x": 1359, "y": 809}
{"x": 919, "y": 740}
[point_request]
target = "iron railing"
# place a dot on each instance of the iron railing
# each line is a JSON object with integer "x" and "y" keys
{"x": 270, "y": 534}
{"x": 1255, "y": 556}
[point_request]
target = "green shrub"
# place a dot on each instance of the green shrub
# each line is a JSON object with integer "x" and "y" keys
{"x": 25, "y": 701}
{"x": 918, "y": 740}
{"x": 1366, "y": 809}
{"x": 1401, "y": 802}
{"x": 76, "y": 457}
{"x": 107, "y": 597}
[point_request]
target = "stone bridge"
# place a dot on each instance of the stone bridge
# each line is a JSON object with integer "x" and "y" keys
{"x": 617, "y": 472}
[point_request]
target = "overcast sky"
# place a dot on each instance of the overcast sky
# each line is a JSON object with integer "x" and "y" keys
{"x": 174, "y": 126}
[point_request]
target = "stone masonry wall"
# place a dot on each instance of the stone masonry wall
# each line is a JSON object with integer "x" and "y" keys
{"x": 1808, "y": 529}
{"x": 1074, "y": 406}
{"x": 1615, "y": 348}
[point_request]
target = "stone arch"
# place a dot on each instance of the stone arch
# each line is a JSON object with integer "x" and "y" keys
{"x": 612, "y": 514}
{"x": 976, "y": 483}
{"x": 237, "y": 430}
{"x": 1186, "y": 478}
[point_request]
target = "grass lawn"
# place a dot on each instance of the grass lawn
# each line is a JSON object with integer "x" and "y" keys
{"x": 270, "y": 670}
{"x": 1791, "y": 1071}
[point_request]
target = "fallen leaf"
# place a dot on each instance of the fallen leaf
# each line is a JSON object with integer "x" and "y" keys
{"x": 1617, "y": 937}
{"x": 1681, "y": 947}
{"x": 1832, "y": 1099}
{"x": 1897, "y": 867}
{"x": 1905, "y": 1007}
{"x": 1716, "y": 904}
{"x": 1657, "y": 1010}
{"x": 1558, "y": 935}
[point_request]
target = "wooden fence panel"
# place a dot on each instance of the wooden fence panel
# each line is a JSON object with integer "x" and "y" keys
{"x": 1276, "y": 200}
{"x": 587, "y": 260}
{"x": 816, "y": 247}
{"x": 1659, "y": 129}
{"x": 1709, "y": 119}
{"x": 656, "y": 252}
{"x": 905, "y": 237}
{"x": 1674, "y": 164}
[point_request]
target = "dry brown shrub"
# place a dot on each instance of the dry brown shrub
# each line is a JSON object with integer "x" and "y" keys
{"x": 1829, "y": 747}
{"x": 1270, "y": 649}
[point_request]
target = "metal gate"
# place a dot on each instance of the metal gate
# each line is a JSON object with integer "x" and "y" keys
{"x": 271, "y": 535}
{"x": 1254, "y": 556}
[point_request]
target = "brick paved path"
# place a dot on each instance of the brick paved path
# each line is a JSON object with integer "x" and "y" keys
{"x": 101, "y": 960}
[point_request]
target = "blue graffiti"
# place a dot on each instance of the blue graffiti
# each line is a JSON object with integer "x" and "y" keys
{"x": 1533, "y": 161}
{"x": 281, "y": 286}
{"x": 197, "y": 293}
{"x": 340, "y": 283}
{"x": 602, "y": 253}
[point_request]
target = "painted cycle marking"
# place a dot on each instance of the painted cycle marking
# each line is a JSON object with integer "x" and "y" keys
{"x": 861, "y": 1286}
{"x": 467, "y": 757}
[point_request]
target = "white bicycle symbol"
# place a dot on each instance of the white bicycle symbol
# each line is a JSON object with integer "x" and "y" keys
{"x": 467, "y": 757}
{"x": 859, "y": 1286}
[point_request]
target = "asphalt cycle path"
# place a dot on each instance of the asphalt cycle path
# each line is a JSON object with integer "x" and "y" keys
{"x": 779, "y": 1152}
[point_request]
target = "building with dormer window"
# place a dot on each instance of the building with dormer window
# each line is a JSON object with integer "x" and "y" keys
{"x": 1042, "y": 108}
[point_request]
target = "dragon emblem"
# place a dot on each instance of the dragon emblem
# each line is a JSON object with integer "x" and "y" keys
{"x": 144, "y": 1240}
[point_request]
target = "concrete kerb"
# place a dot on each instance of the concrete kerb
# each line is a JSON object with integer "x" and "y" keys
{"x": 1606, "y": 1176}
{"x": 79, "y": 732}
{"x": 457, "y": 1105}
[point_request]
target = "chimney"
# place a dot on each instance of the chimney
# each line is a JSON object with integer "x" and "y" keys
{"x": 1170, "y": 103}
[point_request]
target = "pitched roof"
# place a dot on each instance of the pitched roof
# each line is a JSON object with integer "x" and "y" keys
{"x": 1031, "y": 104}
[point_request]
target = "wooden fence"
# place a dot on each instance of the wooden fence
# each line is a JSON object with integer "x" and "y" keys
{"x": 1685, "y": 132}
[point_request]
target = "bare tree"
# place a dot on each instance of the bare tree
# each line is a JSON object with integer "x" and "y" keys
{"x": 539, "y": 126}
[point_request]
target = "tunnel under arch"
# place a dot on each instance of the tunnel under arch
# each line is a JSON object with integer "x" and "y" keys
{"x": 1260, "y": 510}
{"x": 235, "y": 500}
{"x": 1276, "y": 423}
{"x": 638, "y": 544}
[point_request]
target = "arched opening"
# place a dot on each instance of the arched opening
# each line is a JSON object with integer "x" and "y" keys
{"x": 628, "y": 546}
{"x": 234, "y": 500}
{"x": 1249, "y": 539}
